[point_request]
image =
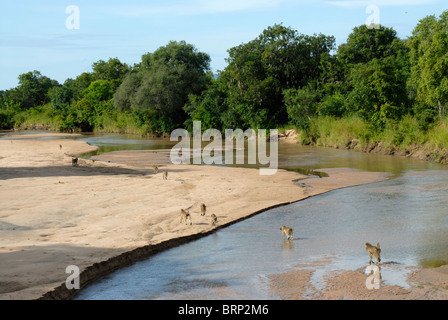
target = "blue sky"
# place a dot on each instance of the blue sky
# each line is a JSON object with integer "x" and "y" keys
{"x": 34, "y": 35}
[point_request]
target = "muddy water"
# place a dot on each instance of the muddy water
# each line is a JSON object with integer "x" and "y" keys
{"x": 407, "y": 214}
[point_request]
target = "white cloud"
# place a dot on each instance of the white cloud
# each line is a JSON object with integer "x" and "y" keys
{"x": 385, "y": 3}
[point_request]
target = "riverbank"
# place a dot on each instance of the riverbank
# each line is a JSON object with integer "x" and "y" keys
{"x": 404, "y": 139}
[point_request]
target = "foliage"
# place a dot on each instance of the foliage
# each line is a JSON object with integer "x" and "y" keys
{"x": 365, "y": 44}
{"x": 161, "y": 87}
{"x": 209, "y": 107}
{"x": 301, "y": 106}
{"x": 374, "y": 86}
{"x": 32, "y": 90}
{"x": 259, "y": 71}
{"x": 428, "y": 81}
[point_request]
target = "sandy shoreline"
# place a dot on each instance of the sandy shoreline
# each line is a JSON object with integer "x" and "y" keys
{"x": 54, "y": 215}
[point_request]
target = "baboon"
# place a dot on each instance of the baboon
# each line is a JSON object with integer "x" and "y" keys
{"x": 185, "y": 215}
{"x": 372, "y": 250}
{"x": 156, "y": 169}
{"x": 165, "y": 175}
{"x": 203, "y": 209}
{"x": 60, "y": 147}
{"x": 214, "y": 219}
{"x": 74, "y": 162}
{"x": 287, "y": 233}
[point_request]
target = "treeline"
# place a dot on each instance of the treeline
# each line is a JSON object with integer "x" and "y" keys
{"x": 282, "y": 78}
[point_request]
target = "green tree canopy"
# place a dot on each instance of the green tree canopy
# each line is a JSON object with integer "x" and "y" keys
{"x": 164, "y": 81}
{"x": 113, "y": 70}
{"x": 365, "y": 44}
{"x": 259, "y": 71}
{"x": 429, "y": 59}
{"x": 32, "y": 90}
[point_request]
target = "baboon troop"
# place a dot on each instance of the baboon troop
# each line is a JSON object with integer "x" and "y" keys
{"x": 203, "y": 209}
{"x": 156, "y": 171}
{"x": 287, "y": 233}
{"x": 185, "y": 216}
{"x": 372, "y": 250}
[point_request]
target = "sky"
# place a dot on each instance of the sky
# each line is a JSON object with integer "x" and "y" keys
{"x": 62, "y": 39}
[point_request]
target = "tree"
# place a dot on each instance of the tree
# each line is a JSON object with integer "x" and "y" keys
{"x": 376, "y": 66}
{"x": 365, "y": 44}
{"x": 63, "y": 98}
{"x": 258, "y": 72}
{"x": 164, "y": 81}
{"x": 209, "y": 107}
{"x": 80, "y": 84}
{"x": 124, "y": 97}
{"x": 379, "y": 90}
{"x": 86, "y": 113}
{"x": 113, "y": 70}
{"x": 32, "y": 90}
{"x": 332, "y": 105}
{"x": 301, "y": 105}
{"x": 428, "y": 82}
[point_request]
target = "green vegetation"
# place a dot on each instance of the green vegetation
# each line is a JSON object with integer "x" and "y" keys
{"x": 374, "y": 89}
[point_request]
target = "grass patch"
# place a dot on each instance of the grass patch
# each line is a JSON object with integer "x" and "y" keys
{"x": 433, "y": 263}
{"x": 334, "y": 132}
{"x": 438, "y": 135}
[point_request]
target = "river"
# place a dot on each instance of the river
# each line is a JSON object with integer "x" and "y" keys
{"x": 407, "y": 214}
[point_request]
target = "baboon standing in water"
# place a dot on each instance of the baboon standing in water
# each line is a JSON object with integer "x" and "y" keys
{"x": 165, "y": 175}
{"x": 287, "y": 233}
{"x": 372, "y": 250}
{"x": 185, "y": 215}
{"x": 203, "y": 209}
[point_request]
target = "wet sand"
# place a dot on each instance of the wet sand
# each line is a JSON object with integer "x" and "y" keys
{"x": 423, "y": 284}
{"x": 54, "y": 215}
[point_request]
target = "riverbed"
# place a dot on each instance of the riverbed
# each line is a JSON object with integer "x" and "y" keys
{"x": 405, "y": 213}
